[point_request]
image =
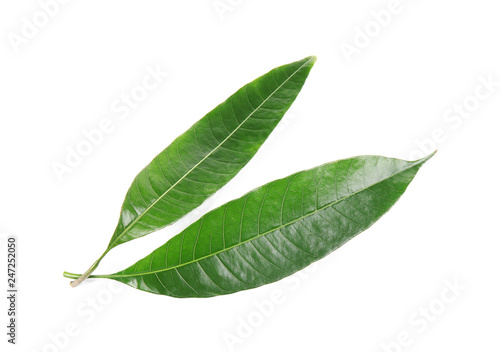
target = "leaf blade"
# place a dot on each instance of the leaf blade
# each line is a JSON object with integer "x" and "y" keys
{"x": 208, "y": 154}
{"x": 274, "y": 230}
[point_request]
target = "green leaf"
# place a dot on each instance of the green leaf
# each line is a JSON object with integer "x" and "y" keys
{"x": 275, "y": 230}
{"x": 209, "y": 154}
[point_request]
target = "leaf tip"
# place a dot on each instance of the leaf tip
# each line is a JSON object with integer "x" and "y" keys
{"x": 426, "y": 158}
{"x": 310, "y": 60}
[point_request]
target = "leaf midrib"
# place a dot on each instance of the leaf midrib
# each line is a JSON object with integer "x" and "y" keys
{"x": 129, "y": 226}
{"x": 267, "y": 232}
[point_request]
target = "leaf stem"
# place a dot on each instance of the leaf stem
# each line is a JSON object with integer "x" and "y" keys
{"x": 85, "y": 275}
{"x": 76, "y": 276}
{"x": 71, "y": 275}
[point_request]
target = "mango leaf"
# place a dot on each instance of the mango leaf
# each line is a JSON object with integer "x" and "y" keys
{"x": 273, "y": 231}
{"x": 207, "y": 155}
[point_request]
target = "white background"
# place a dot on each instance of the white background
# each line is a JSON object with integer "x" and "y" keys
{"x": 386, "y": 99}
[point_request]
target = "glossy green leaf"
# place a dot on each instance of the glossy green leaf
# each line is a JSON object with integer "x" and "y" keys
{"x": 207, "y": 155}
{"x": 275, "y": 230}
